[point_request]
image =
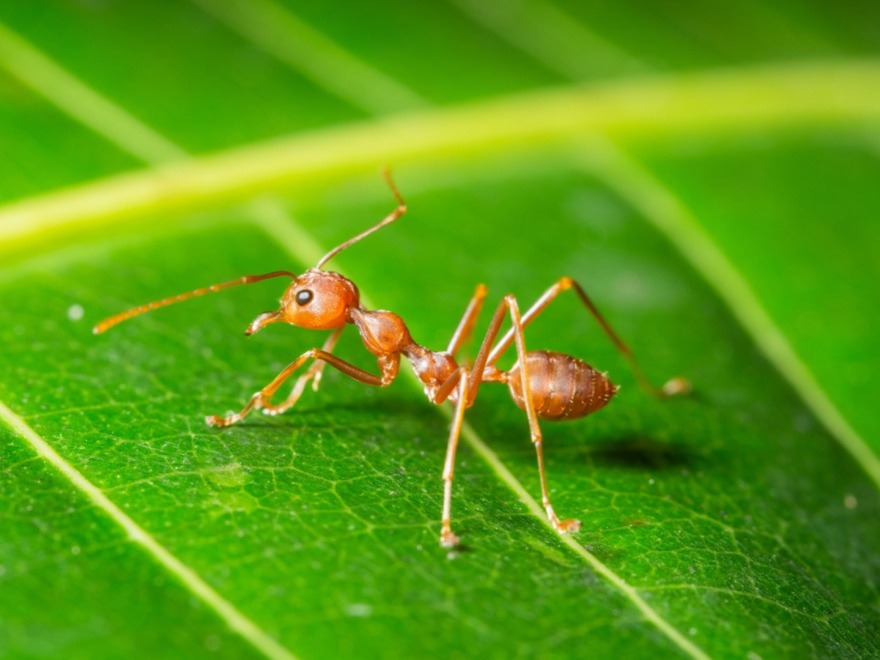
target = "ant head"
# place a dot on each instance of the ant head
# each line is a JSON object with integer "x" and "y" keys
{"x": 317, "y": 300}
{"x": 322, "y": 300}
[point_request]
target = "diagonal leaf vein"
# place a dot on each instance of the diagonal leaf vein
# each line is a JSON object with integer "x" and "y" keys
{"x": 817, "y": 94}
{"x": 235, "y": 619}
{"x": 662, "y": 208}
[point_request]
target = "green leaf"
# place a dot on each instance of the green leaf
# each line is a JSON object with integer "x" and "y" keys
{"x": 708, "y": 174}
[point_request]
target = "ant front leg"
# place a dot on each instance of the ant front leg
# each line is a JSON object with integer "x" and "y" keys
{"x": 263, "y": 398}
{"x": 314, "y": 373}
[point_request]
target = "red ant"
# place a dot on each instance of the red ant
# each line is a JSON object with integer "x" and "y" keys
{"x": 547, "y": 385}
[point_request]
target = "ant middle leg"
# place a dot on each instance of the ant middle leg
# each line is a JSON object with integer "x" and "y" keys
{"x": 468, "y": 320}
{"x": 458, "y": 381}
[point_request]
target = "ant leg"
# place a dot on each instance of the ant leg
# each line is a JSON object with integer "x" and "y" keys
{"x": 561, "y": 526}
{"x": 672, "y": 387}
{"x": 263, "y": 398}
{"x": 469, "y": 318}
{"x": 314, "y": 373}
{"x": 447, "y": 538}
{"x": 483, "y": 372}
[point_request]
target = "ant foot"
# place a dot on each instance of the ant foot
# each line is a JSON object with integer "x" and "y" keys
{"x": 561, "y": 526}
{"x": 256, "y": 401}
{"x": 220, "y": 422}
{"x": 448, "y": 539}
{"x": 567, "y": 526}
{"x": 676, "y": 386}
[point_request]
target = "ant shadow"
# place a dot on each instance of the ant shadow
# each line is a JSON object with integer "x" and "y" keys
{"x": 642, "y": 453}
{"x": 381, "y": 411}
{"x": 637, "y": 452}
{"x": 629, "y": 452}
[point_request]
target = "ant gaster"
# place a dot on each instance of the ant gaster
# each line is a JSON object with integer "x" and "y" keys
{"x": 547, "y": 385}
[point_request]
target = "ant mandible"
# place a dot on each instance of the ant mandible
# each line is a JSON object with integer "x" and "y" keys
{"x": 546, "y": 384}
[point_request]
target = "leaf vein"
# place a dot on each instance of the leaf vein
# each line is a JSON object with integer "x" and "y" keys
{"x": 138, "y": 535}
{"x": 669, "y": 215}
{"x": 61, "y": 88}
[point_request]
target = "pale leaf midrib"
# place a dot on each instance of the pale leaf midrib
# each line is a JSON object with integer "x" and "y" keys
{"x": 819, "y": 93}
{"x": 684, "y": 232}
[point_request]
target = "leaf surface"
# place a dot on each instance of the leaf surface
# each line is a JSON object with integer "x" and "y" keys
{"x": 730, "y": 241}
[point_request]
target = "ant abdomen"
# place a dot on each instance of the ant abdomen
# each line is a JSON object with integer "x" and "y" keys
{"x": 562, "y": 386}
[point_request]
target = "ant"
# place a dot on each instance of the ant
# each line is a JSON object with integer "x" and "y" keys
{"x": 546, "y": 384}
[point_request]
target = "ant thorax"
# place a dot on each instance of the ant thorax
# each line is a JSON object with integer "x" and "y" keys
{"x": 383, "y": 333}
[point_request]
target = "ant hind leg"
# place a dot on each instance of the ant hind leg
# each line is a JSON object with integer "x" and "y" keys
{"x": 673, "y": 387}
{"x": 480, "y": 373}
{"x": 561, "y": 526}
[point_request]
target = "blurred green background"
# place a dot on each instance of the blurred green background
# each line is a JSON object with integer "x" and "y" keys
{"x": 708, "y": 172}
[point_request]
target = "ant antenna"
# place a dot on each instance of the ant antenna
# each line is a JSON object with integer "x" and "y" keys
{"x": 395, "y": 214}
{"x": 106, "y": 324}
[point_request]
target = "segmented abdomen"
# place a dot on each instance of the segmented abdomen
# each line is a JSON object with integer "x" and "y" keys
{"x": 562, "y": 386}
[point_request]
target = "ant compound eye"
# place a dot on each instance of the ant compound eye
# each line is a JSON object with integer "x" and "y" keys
{"x": 304, "y": 297}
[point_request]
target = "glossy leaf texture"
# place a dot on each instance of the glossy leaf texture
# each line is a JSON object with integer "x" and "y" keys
{"x": 708, "y": 174}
